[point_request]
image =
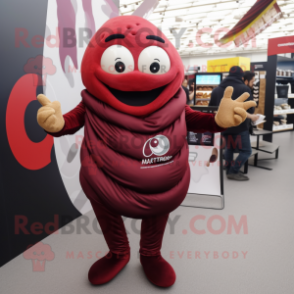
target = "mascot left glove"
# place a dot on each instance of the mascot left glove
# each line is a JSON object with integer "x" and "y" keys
{"x": 49, "y": 116}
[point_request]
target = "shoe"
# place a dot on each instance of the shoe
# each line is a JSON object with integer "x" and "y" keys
{"x": 158, "y": 271}
{"x": 106, "y": 268}
{"x": 237, "y": 177}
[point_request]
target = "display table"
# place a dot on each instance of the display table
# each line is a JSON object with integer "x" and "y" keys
{"x": 264, "y": 146}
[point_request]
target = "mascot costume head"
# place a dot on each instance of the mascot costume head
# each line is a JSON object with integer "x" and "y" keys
{"x": 131, "y": 66}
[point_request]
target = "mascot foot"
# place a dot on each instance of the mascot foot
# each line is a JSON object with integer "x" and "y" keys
{"x": 158, "y": 270}
{"x": 106, "y": 268}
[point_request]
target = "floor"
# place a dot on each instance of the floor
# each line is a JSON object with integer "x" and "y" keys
{"x": 245, "y": 248}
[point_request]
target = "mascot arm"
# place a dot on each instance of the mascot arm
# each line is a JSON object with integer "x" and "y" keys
{"x": 54, "y": 123}
{"x": 74, "y": 120}
{"x": 199, "y": 122}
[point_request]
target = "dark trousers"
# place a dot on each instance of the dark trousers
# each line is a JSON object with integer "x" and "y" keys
{"x": 237, "y": 143}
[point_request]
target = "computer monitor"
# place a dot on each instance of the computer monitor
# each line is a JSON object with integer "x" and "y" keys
{"x": 208, "y": 79}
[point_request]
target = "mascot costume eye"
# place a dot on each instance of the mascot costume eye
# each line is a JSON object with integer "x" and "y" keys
{"x": 134, "y": 153}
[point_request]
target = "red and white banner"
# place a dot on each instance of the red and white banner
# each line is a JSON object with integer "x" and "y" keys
{"x": 261, "y": 15}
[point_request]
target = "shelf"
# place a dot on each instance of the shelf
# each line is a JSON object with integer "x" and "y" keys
{"x": 265, "y": 146}
{"x": 283, "y": 58}
{"x": 281, "y": 128}
{"x": 261, "y": 132}
{"x": 290, "y": 95}
{"x": 276, "y": 131}
{"x": 284, "y": 111}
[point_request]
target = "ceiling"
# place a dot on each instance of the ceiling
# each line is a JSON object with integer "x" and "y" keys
{"x": 189, "y": 17}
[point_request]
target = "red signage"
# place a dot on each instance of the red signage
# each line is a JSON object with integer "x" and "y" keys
{"x": 280, "y": 45}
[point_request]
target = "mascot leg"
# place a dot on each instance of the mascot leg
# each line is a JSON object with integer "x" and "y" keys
{"x": 112, "y": 226}
{"x": 157, "y": 269}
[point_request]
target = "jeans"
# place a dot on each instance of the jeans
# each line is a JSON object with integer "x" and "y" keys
{"x": 237, "y": 143}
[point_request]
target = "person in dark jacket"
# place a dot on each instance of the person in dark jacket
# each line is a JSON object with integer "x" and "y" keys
{"x": 237, "y": 138}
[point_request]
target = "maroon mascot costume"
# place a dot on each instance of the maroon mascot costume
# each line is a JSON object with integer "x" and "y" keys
{"x": 134, "y": 153}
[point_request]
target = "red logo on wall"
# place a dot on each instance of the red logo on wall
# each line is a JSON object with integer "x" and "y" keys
{"x": 29, "y": 154}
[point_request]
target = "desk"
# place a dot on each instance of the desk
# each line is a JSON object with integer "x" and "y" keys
{"x": 264, "y": 146}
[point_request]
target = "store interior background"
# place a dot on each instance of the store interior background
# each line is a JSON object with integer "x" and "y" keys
{"x": 266, "y": 201}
